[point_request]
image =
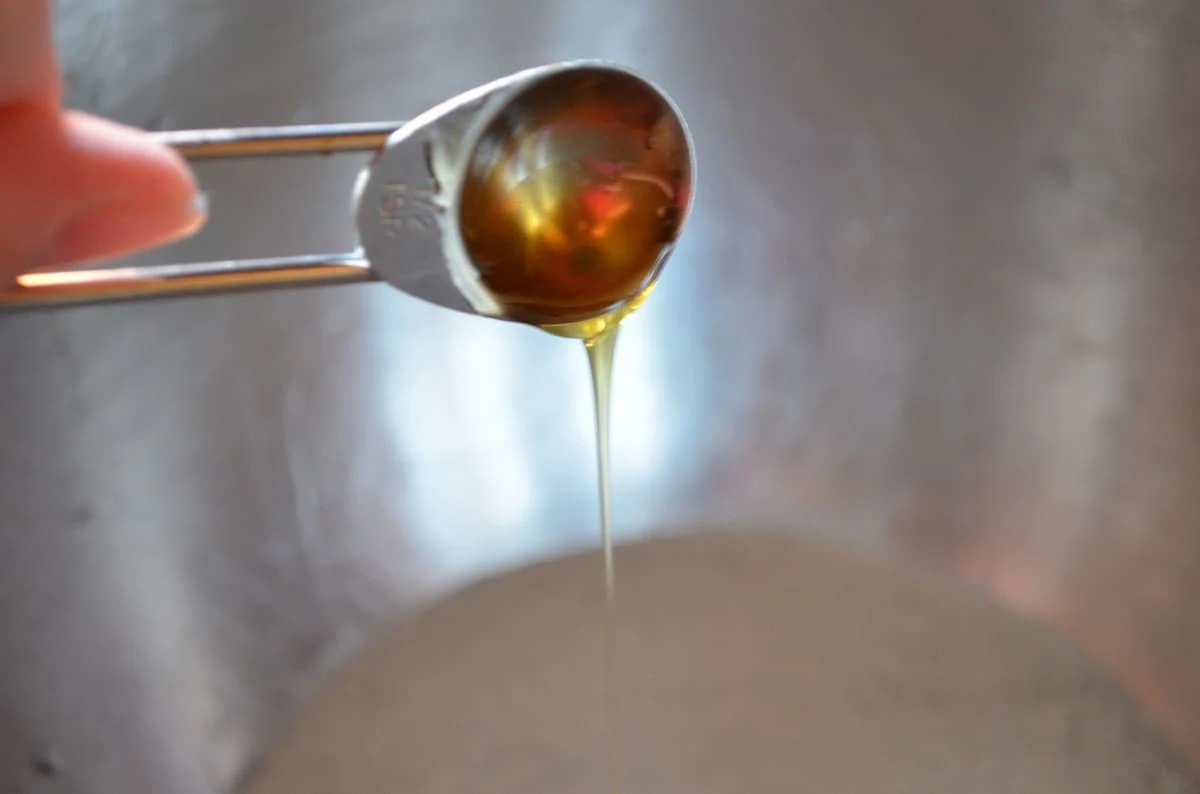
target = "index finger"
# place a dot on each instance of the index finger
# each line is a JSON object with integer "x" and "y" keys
{"x": 28, "y": 71}
{"x": 74, "y": 188}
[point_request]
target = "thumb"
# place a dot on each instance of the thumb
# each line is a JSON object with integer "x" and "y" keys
{"x": 76, "y": 188}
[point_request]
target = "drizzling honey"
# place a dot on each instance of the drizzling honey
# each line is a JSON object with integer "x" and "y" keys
{"x": 571, "y": 204}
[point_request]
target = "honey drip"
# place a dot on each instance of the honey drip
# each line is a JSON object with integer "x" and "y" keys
{"x": 568, "y": 211}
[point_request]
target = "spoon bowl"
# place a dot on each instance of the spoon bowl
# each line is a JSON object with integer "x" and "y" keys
{"x": 549, "y": 197}
{"x": 574, "y": 194}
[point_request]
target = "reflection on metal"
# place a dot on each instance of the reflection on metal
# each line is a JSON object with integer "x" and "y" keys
{"x": 61, "y": 288}
{"x": 306, "y": 139}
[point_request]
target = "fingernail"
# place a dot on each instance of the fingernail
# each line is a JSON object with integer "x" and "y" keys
{"x": 125, "y": 227}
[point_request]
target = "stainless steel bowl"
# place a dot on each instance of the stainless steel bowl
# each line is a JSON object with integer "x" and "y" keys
{"x": 937, "y": 300}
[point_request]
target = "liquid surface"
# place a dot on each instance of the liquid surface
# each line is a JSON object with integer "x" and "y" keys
{"x": 572, "y": 240}
{"x": 573, "y": 198}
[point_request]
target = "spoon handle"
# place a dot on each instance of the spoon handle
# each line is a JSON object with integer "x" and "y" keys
{"x": 73, "y": 287}
{"x": 279, "y": 141}
{"x": 47, "y": 289}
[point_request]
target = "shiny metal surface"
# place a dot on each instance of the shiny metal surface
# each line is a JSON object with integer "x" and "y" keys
{"x": 290, "y": 140}
{"x": 937, "y": 299}
{"x": 74, "y": 287}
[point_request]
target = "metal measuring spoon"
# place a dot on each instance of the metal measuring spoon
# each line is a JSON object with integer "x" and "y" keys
{"x": 407, "y": 203}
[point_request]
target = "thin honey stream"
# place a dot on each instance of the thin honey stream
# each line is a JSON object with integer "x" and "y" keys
{"x": 599, "y": 337}
{"x": 600, "y": 351}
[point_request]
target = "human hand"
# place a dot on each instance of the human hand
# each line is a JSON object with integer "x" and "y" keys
{"x": 73, "y": 187}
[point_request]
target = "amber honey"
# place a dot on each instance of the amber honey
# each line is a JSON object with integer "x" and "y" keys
{"x": 569, "y": 213}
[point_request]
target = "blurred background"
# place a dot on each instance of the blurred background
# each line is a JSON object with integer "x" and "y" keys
{"x": 937, "y": 301}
